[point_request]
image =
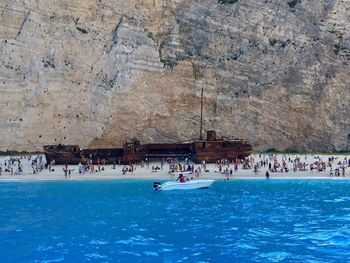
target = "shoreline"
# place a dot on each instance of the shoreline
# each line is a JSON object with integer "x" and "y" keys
{"x": 31, "y": 180}
{"x": 163, "y": 177}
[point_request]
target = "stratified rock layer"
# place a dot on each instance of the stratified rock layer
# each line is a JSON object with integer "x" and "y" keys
{"x": 96, "y": 73}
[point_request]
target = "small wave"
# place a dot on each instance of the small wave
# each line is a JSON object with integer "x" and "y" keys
{"x": 167, "y": 250}
{"x": 337, "y": 200}
{"x": 275, "y": 256}
{"x": 136, "y": 240}
{"x": 183, "y": 259}
{"x": 51, "y": 260}
{"x": 44, "y": 248}
{"x": 99, "y": 223}
{"x": 131, "y": 253}
{"x": 151, "y": 253}
{"x": 321, "y": 235}
{"x": 340, "y": 241}
{"x": 246, "y": 246}
{"x": 98, "y": 242}
{"x": 263, "y": 232}
{"x": 95, "y": 255}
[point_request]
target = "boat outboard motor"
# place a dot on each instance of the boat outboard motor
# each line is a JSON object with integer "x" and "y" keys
{"x": 156, "y": 185}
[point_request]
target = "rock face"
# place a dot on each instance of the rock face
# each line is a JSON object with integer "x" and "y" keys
{"x": 98, "y": 72}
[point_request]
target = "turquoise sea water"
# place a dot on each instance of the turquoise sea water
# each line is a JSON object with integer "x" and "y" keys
{"x": 126, "y": 221}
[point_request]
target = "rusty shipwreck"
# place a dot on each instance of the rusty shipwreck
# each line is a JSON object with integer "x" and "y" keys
{"x": 209, "y": 150}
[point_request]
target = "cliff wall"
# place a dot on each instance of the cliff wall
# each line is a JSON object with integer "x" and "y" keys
{"x": 98, "y": 72}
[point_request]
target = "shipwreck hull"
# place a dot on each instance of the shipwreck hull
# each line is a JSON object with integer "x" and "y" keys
{"x": 61, "y": 159}
{"x": 63, "y": 154}
{"x": 158, "y": 151}
{"x": 72, "y": 154}
{"x": 107, "y": 156}
{"x": 213, "y": 156}
{"x": 209, "y": 150}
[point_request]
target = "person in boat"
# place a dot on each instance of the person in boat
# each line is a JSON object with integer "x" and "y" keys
{"x": 182, "y": 178}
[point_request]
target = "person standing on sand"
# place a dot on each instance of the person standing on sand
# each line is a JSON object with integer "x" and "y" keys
{"x": 65, "y": 170}
{"x": 227, "y": 172}
{"x": 267, "y": 175}
{"x": 98, "y": 165}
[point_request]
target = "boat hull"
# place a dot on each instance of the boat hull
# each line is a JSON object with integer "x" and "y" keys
{"x": 192, "y": 184}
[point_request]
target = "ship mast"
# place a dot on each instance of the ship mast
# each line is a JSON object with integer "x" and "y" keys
{"x": 201, "y": 122}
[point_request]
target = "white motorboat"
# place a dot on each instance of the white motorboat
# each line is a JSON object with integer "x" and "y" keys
{"x": 178, "y": 173}
{"x": 191, "y": 184}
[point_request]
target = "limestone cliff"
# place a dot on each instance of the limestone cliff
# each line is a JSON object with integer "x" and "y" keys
{"x": 98, "y": 72}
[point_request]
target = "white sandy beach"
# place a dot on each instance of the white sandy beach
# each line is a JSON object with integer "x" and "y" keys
{"x": 146, "y": 173}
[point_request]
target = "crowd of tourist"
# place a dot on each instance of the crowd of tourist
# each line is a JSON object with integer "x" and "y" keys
{"x": 14, "y": 165}
{"x": 258, "y": 164}
{"x": 286, "y": 163}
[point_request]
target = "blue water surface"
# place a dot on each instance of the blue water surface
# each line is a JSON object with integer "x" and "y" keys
{"x": 126, "y": 221}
